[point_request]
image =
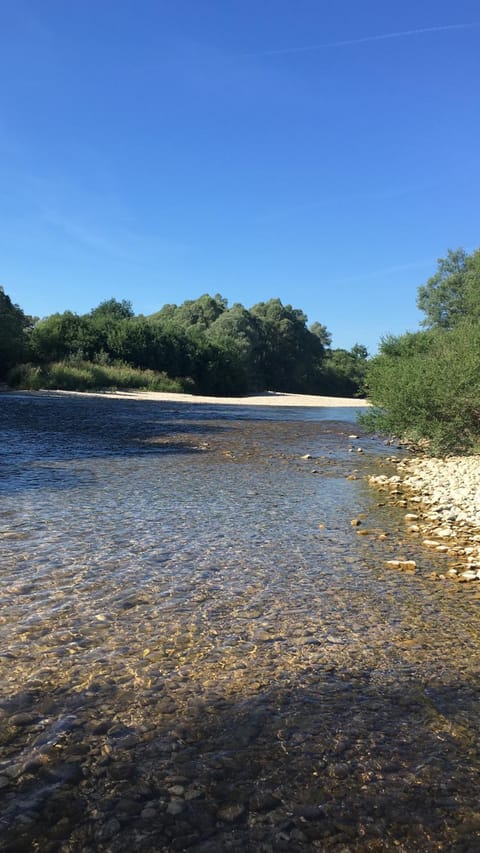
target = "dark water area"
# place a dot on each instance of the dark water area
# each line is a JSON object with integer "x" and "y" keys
{"x": 199, "y": 652}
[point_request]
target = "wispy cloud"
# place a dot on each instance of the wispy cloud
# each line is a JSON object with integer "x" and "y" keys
{"x": 365, "y": 39}
{"x": 89, "y": 221}
{"x": 78, "y": 232}
{"x": 115, "y": 241}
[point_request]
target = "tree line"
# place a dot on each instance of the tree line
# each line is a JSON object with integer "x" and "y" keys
{"x": 203, "y": 344}
{"x": 426, "y": 384}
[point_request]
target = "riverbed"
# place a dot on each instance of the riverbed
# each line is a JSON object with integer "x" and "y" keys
{"x": 200, "y": 651}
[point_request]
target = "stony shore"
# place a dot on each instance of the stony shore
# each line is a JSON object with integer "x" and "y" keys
{"x": 443, "y": 499}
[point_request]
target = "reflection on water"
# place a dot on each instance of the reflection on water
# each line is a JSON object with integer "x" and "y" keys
{"x": 199, "y": 652}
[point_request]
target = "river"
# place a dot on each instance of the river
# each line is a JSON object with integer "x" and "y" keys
{"x": 198, "y": 651}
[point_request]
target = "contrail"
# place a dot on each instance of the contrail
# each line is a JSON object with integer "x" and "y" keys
{"x": 366, "y": 39}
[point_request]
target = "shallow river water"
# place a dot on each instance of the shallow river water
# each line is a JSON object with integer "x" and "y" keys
{"x": 198, "y": 651}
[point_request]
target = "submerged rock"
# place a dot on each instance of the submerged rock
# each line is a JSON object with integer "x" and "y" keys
{"x": 402, "y": 565}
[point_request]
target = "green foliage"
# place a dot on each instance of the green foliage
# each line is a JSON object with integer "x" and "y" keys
{"x": 239, "y": 335}
{"x": 77, "y": 375}
{"x": 113, "y": 309}
{"x": 449, "y": 295}
{"x": 13, "y": 333}
{"x": 322, "y": 333}
{"x": 291, "y": 356}
{"x": 472, "y": 285}
{"x": 200, "y": 313}
{"x": 213, "y": 348}
{"x": 344, "y": 371}
{"x": 427, "y": 386}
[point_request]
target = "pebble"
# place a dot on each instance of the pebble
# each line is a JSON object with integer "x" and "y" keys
{"x": 403, "y": 565}
{"x": 109, "y": 829}
{"x": 23, "y": 719}
{"x": 231, "y": 812}
{"x": 176, "y": 807}
{"x": 469, "y": 576}
{"x": 148, "y": 813}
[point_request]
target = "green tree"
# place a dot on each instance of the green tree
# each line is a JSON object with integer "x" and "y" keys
{"x": 113, "y": 309}
{"x": 59, "y": 336}
{"x": 321, "y": 332}
{"x": 344, "y": 372}
{"x": 472, "y": 285}
{"x": 201, "y": 312}
{"x": 13, "y": 333}
{"x": 444, "y": 297}
{"x": 291, "y": 356}
{"x": 239, "y": 334}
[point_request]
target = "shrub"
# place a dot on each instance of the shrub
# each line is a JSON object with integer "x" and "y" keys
{"x": 427, "y": 386}
{"x": 87, "y": 376}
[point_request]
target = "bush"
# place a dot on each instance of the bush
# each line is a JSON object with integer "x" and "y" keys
{"x": 427, "y": 386}
{"x": 27, "y": 376}
{"x": 87, "y": 376}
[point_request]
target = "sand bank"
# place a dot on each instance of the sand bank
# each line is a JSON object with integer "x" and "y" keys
{"x": 268, "y": 398}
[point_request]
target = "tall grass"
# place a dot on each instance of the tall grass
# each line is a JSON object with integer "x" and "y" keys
{"x": 87, "y": 376}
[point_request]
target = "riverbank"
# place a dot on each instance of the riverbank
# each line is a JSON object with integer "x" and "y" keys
{"x": 267, "y": 398}
{"x": 443, "y": 499}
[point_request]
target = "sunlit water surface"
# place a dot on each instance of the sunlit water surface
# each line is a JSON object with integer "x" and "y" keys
{"x": 198, "y": 651}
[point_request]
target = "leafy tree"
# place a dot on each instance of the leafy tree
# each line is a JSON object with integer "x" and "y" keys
{"x": 60, "y": 336}
{"x": 472, "y": 285}
{"x": 239, "y": 334}
{"x": 344, "y": 371}
{"x": 166, "y": 314}
{"x": 291, "y": 356}
{"x": 426, "y": 385}
{"x": 13, "y": 339}
{"x": 113, "y": 309}
{"x": 220, "y": 350}
{"x": 321, "y": 332}
{"x": 443, "y": 298}
{"x": 201, "y": 312}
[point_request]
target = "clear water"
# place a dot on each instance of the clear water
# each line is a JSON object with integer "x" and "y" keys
{"x": 198, "y": 650}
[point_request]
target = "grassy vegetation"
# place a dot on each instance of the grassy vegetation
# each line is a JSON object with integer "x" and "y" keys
{"x": 88, "y": 376}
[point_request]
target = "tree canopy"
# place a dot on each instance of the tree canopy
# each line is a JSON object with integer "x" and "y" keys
{"x": 13, "y": 326}
{"x": 426, "y": 384}
{"x": 453, "y": 293}
{"x": 209, "y": 346}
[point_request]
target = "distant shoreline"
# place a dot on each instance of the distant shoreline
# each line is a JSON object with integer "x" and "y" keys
{"x": 268, "y": 398}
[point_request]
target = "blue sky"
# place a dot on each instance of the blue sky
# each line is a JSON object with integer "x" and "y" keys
{"x": 325, "y": 153}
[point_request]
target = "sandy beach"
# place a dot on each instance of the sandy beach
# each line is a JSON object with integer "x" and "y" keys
{"x": 268, "y": 398}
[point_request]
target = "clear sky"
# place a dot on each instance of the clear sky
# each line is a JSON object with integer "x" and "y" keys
{"x": 323, "y": 152}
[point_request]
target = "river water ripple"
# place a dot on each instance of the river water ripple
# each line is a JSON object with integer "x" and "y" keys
{"x": 199, "y": 652}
